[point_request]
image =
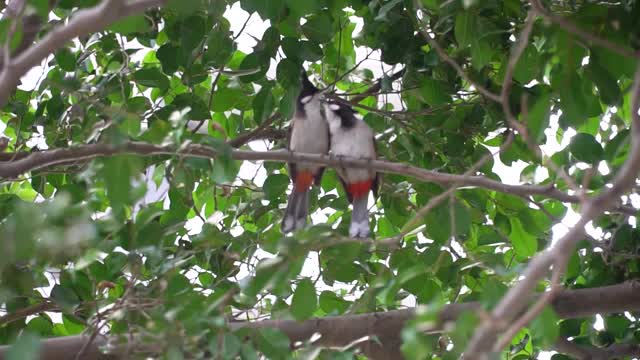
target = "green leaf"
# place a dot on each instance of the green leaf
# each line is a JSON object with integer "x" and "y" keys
{"x": 288, "y": 101}
{"x": 151, "y": 77}
{"x": 184, "y": 7}
{"x": 492, "y": 293}
{"x": 303, "y": 7}
{"x": 206, "y": 279}
{"x": 607, "y": 85}
{"x": 117, "y": 172}
{"x": 130, "y": 25}
{"x": 434, "y": 93}
{"x": 168, "y": 56}
{"x": 288, "y": 73}
{"x": 41, "y": 325}
{"x": 618, "y": 325}
{"x": 465, "y": 29}
{"x": 585, "y": 147}
{"x": 26, "y": 347}
{"x": 275, "y": 185}
{"x": 225, "y": 99}
{"x": 263, "y": 105}
{"x": 267, "y": 9}
{"x": 231, "y": 346}
{"x": 273, "y": 343}
{"x": 196, "y": 104}
{"x": 192, "y": 33}
{"x": 301, "y": 50}
{"x": 384, "y": 9}
{"x": 577, "y": 101}
{"x": 41, "y": 6}
{"x": 304, "y": 302}
{"x": 481, "y": 53}
{"x": 538, "y": 120}
{"x": 545, "y": 327}
{"x": 528, "y": 66}
{"x": 66, "y": 59}
{"x": 318, "y": 28}
{"x": 330, "y": 303}
{"x": 220, "y": 47}
{"x": 225, "y": 169}
{"x": 524, "y": 244}
{"x": 64, "y": 296}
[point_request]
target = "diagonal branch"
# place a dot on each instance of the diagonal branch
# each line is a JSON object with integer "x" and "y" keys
{"x": 517, "y": 298}
{"x": 83, "y": 22}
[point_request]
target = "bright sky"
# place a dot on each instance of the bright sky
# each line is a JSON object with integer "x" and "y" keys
{"x": 255, "y": 28}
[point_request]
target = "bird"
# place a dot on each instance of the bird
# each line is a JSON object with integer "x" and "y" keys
{"x": 309, "y": 133}
{"x": 351, "y": 136}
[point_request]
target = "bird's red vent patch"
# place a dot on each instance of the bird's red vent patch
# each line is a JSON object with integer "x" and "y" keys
{"x": 359, "y": 189}
{"x": 304, "y": 179}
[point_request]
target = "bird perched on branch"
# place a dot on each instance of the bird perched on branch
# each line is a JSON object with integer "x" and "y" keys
{"x": 309, "y": 134}
{"x": 351, "y": 136}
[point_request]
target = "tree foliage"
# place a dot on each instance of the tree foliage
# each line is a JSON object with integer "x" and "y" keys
{"x": 86, "y": 247}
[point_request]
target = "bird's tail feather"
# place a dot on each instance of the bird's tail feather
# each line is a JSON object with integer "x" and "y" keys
{"x": 359, "y": 227}
{"x": 295, "y": 216}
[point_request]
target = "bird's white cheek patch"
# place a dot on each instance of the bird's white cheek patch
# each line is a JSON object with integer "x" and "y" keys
{"x": 306, "y": 99}
{"x": 334, "y": 107}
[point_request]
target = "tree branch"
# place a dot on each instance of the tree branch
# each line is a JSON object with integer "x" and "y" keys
{"x": 337, "y": 331}
{"x": 83, "y": 22}
{"x": 47, "y": 158}
{"x": 245, "y": 138}
{"x": 373, "y": 89}
{"x": 517, "y": 298}
{"x": 28, "y": 311}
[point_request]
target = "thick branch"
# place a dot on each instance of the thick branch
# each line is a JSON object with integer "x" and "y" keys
{"x": 82, "y": 23}
{"x": 341, "y": 330}
{"x": 47, "y": 158}
{"x": 31, "y": 25}
{"x": 517, "y": 298}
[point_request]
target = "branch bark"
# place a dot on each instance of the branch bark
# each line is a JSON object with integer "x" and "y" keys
{"x": 517, "y": 298}
{"x": 83, "y": 22}
{"x": 38, "y": 160}
{"x": 338, "y": 331}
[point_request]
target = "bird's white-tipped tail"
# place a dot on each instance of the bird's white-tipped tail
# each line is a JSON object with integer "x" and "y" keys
{"x": 295, "y": 216}
{"x": 359, "y": 227}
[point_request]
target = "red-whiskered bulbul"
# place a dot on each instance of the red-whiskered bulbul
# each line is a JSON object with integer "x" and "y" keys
{"x": 351, "y": 136}
{"x": 309, "y": 133}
